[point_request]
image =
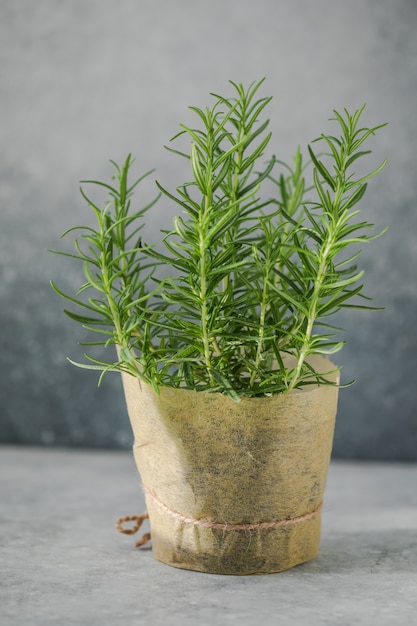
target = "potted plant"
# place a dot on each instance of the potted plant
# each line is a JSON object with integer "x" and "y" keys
{"x": 222, "y": 333}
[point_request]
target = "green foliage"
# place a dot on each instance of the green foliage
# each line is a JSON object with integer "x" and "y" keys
{"x": 247, "y": 282}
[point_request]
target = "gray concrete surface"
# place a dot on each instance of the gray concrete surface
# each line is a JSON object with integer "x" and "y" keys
{"x": 85, "y": 81}
{"x": 62, "y": 561}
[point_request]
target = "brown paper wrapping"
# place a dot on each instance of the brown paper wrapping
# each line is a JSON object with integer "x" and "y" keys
{"x": 205, "y": 459}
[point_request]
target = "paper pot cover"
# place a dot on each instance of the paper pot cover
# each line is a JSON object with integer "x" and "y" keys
{"x": 233, "y": 487}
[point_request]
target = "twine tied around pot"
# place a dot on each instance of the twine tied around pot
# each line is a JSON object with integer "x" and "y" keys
{"x": 203, "y": 523}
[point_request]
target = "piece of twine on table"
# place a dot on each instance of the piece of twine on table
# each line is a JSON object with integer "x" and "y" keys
{"x": 139, "y": 519}
{"x": 203, "y": 523}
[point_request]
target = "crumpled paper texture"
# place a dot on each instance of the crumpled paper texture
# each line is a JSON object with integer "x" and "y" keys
{"x": 207, "y": 457}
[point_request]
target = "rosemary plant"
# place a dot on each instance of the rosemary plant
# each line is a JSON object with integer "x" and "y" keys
{"x": 247, "y": 282}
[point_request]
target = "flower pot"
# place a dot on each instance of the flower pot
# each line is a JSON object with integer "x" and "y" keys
{"x": 233, "y": 487}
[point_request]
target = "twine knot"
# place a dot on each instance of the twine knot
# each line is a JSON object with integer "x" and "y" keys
{"x": 139, "y": 519}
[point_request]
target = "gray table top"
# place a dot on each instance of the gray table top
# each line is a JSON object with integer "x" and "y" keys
{"x": 63, "y": 562}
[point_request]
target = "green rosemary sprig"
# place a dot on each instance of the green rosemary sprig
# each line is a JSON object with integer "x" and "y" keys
{"x": 116, "y": 270}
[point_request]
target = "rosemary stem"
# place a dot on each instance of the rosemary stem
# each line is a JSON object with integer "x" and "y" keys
{"x": 259, "y": 350}
{"x": 315, "y": 300}
{"x": 203, "y": 288}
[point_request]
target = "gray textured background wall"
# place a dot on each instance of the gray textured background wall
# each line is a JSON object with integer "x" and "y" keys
{"x": 83, "y": 81}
